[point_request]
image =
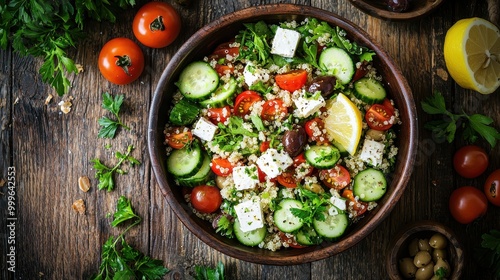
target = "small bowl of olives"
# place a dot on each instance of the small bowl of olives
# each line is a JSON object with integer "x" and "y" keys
{"x": 425, "y": 250}
{"x": 397, "y": 10}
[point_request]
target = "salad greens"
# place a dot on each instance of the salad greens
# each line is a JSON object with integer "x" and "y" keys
{"x": 207, "y": 273}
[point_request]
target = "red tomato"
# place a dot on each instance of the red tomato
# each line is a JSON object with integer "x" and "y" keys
{"x": 358, "y": 207}
{"x": 300, "y": 159}
{"x": 388, "y": 105}
{"x": 273, "y": 110}
{"x": 222, "y": 167}
{"x": 217, "y": 115}
{"x": 292, "y": 80}
{"x": 262, "y": 175}
{"x": 470, "y": 161}
{"x": 315, "y": 130}
{"x": 223, "y": 69}
{"x": 290, "y": 241}
{"x": 378, "y": 117}
{"x": 223, "y": 50}
{"x": 335, "y": 178}
{"x": 492, "y": 187}
{"x": 287, "y": 179}
{"x": 121, "y": 61}
{"x": 178, "y": 137}
{"x": 156, "y": 24}
{"x": 361, "y": 71}
{"x": 467, "y": 204}
{"x": 244, "y": 101}
{"x": 206, "y": 199}
{"x": 264, "y": 146}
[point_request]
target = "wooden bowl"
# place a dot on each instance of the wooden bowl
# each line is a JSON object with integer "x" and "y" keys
{"x": 398, "y": 248}
{"x": 223, "y": 29}
{"x": 378, "y": 8}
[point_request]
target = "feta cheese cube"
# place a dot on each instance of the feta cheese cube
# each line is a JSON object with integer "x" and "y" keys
{"x": 339, "y": 203}
{"x": 285, "y": 42}
{"x": 249, "y": 215}
{"x": 272, "y": 162}
{"x": 307, "y": 106}
{"x": 372, "y": 152}
{"x": 254, "y": 74}
{"x": 204, "y": 129}
{"x": 245, "y": 177}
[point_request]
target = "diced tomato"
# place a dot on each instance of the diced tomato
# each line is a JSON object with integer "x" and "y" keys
{"x": 315, "y": 130}
{"x": 262, "y": 175}
{"x": 290, "y": 241}
{"x": 222, "y": 167}
{"x": 378, "y": 117}
{"x": 273, "y": 110}
{"x": 287, "y": 179}
{"x": 264, "y": 146}
{"x": 224, "y": 49}
{"x": 178, "y": 137}
{"x": 300, "y": 159}
{"x": 217, "y": 115}
{"x": 359, "y": 207}
{"x": 361, "y": 71}
{"x": 335, "y": 178}
{"x": 244, "y": 102}
{"x": 222, "y": 69}
{"x": 292, "y": 80}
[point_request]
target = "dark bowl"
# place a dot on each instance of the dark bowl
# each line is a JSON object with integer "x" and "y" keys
{"x": 398, "y": 248}
{"x": 221, "y": 30}
{"x": 378, "y": 8}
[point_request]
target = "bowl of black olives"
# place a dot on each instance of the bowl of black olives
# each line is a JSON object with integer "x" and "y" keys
{"x": 397, "y": 10}
{"x": 425, "y": 250}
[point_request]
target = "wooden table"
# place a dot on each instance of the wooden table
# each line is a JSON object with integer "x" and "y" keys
{"x": 50, "y": 150}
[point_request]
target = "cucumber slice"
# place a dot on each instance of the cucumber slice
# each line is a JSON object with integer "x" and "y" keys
{"x": 338, "y": 63}
{"x": 185, "y": 162}
{"x": 222, "y": 96}
{"x": 332, "y": 227}
{"x": 249, "y": 238}
{"x": 369, "y": 90}
{"x": 184, "y": 113}
{"x": 201, "y": 177}
{"x": 198, "y": 80}
{"x": 308, "y": 236}
{"x": 284, "y": 219}
{"x": 322, "y": 156}
{"x": 369, "y": 185}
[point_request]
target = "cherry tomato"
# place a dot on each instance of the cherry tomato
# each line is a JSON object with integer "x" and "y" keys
{"x": 378, "y": 117}
{"x": 223, "y": 50}
{"x": 273, "y": 110}
{"x": 388, "y": 105}
{"x": 315, "y": 130}
{"x": 470, "y": 161}
{"x": 335, "y": 178}
{"x": 292, "y": 80}
{"x": 300, "y": 159}
{"x": 287, "y": 179}
{"x": 467, "y": 204}
{"x": 121, "y": 61}
{"x": 222, "y": 69}
{"x": 264, "y": 146}
{"x": 156, "y": 24}
{"x": 290, "y": 241}
{"x": 361, "y": 71}
{"x": 178, "y": 137}
{"x": 358, "y": 207}
{"x": 244, "y": 101}
{"x": 217, "y": 115}
{"x": 206, "y": 199}
{"x": 492, "y": 187}
{"x": 222, "y": 167}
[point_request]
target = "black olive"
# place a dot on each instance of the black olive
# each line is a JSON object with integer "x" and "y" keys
{"x": 325, "y": 84}
{"x": 397, "y": 6}
{"x": 294, "y": 140}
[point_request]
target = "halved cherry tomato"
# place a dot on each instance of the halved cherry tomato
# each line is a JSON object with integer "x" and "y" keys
{"x": 222, "y": 69}
{"x": 492, "y": 187}
{"x": 358, "y": 207}
{"x": 468, "y": 204}
{"x": 121, "y": 61}
{"x": 361, "y": 71}
{"x": 300, "y": 159}
{"x": 178, "y": 137}
{"x": 156, "y": 24}
{"x": 335, "y": 178}
{"x": 224, "y": 49}
{"x": 273, "y": 110}
{"x": 287, "y": 179}
{"x": 217, "y": 115}
{"x": 292, "y": 80}
{"x": 388, "y": 105}
{"x": 206, "y": 199}
{"x": 264, "y": 146}
{"x": 244, "y": 101}
{"x": 222, "y": 167}
{"x": 315, "y": 130}
{"x": 378, "y": 117}
{"x": 470, "y": 161}
{"x": 290, "y": 241}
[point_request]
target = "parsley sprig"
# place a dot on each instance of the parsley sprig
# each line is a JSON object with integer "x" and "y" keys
{"x": 488, "y": 254}
{"x": 208, "y": 273}
{"x": 231, "y": 135}
{"x": 125, "y": 262}
{"x": 105, "y": 173}
{"x": 113, "y": 105}
{"x": 445, "y": 128}
{"x": 314, "y": 206}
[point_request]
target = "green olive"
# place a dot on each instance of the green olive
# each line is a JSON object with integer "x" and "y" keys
{"x": 443, "y": 265}
{"x": 422, "y": 258}
{"x": 413, "y": 247}
{"x": 439, "y": 254}
{"x": 221, "y": 181}
{"x": 377, "y": 135}
{"x": 438, "y": 241}
{"x": 423, "y": 245}
{"x": 425, "y": 273}
{"x": 407, "y": 268}
{"x": 314, "y": 187}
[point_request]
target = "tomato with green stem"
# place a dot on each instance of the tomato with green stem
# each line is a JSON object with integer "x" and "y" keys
{"x": 492, "y": 187}
{"x": 206, "y": 199}
{"x": 470, "y": 161}
{"x": 121, "y": 61}
{"x": 467, "y": 204}
{"x": 156, "y": 24}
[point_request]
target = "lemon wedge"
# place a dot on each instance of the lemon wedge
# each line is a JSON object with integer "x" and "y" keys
{"x": 472, "y": 54}
{"x": 343, "y": 122}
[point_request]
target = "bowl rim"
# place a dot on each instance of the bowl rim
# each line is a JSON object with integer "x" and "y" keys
{"x": 322, "y": 251}
{"x": 393, "y": 16}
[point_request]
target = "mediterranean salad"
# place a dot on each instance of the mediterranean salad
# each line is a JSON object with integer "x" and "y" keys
{"x": 282, "y": 136}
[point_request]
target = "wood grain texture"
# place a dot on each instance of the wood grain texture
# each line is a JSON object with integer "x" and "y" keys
{"x": 50, "y": 150}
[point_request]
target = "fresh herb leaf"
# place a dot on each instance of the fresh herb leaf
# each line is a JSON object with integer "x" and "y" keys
{"x": 473, "y": 125}
{"x": 207, "y": 273}
{"x": 105, "y": 173}
{"x": 253, "y": 42}
{"x": 225, "y": 226}
{"x": 487, "y": 254}
{"x": 124, "y": 212}
{"x": 313, "y": 206}
{"x": 109, "y": 126}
